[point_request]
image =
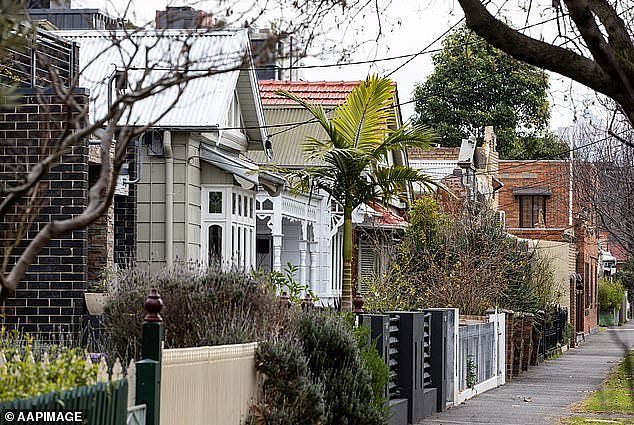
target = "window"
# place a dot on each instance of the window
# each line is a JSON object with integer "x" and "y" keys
{"x": 239, "y": 204}
{"x": 233, "y": 198}
{"x": 215, "y": 202}
{"x": 215, "y": 244}
{"x": 533, "y": 211}
{"x": 250, "y": 207}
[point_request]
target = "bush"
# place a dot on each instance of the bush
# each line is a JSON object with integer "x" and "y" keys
{"x": 201, "y": 307}
{"x": 611, "y": 293}
{"x": 334, "y": 359}
{"x": 467, "y": 262}
{"x": 33, "y": 368}
{"x": 288, "y": 396}
{"x": 319, "y": 347}
{"x": 371, "y": 359}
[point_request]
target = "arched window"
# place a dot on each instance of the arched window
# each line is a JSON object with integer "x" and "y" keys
{"x": 215, "y": 244}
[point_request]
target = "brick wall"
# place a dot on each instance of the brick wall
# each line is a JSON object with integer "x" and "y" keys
{"x": 50, "y": 297}
{"x": 548, "y": 175}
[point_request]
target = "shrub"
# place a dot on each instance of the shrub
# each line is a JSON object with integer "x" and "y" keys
{"x": 371, "y": 359}
{"x": 201, "y": 307}
{"x": 334, "y": 359}
{"x": 288, "y": 396}
{"x": 611, "y": 293}
{"x": 32, "y": 368}
{"x": 318, "y": 375}
{"x": 467, "y": 262}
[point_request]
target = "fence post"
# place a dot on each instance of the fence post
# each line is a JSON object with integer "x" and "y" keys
{"x": 148, "y": 369}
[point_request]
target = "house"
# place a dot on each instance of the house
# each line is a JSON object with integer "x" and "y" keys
{"x": 195, "y": 190}
{"x": 50, "y": 298}
{"x": 469, "y": 172}
{"x": 539, "y": 203}
{"x": 305, "y": 229}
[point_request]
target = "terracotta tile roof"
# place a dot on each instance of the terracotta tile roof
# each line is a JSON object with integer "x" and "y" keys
{"x": 435, "y": 153}
{"x": 320, "y": 92}
{"x": 387, "y": 217}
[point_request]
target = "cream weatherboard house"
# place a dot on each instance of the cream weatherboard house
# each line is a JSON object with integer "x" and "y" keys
{"x": 195, "y": 190}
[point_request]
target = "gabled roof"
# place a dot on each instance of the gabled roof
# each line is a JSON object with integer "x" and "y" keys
{"x": 204, "y": 103}
{"x": 325, "y": 93}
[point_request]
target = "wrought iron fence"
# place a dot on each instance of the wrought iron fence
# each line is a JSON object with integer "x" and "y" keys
{"x": 553, "y": 331}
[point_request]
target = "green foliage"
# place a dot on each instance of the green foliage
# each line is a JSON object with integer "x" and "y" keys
{"x": 611, "y": 293}
{"x": 15, "y": 34}
{"x": 360, "y": 135}
{"x": 334, "y": 359}
{"x": 474, "y": 85}
{"x": 372, "y": 360}
{"x": 321, "y": 372}
{"x": 466, "y": 262}
{"x": 201, "y": 307}
{"x": 472, "y": 372}
{"x": 284, "y": 281}
{"x": 626, "y": 275}
{"x": 32, "y": 369}
{"x": 288, "y": 395}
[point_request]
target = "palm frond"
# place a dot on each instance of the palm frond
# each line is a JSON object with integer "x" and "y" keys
{"x": 316, "y": 111}
{"x": 364, "y": 118}
{"x": 405, "y": 137}
{"x": 391, "y": 181}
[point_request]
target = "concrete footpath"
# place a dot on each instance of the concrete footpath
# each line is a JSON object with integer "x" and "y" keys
{"x": 545, "y": 392}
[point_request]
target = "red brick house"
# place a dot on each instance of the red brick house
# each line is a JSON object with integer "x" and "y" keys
{"x": 539, "y": 204}
{"x": 469, "y": 172}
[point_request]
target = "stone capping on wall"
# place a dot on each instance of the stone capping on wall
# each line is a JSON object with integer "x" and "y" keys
{"x": 208, "y": 354}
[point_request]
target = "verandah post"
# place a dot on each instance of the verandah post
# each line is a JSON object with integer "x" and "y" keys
{"x": 148, "y": 369}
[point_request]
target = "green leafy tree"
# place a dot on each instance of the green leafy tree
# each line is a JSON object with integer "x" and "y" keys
{"x": 474, "y": 85}
{"x": 626, "y": 276}
{"x": 15, "y": 34}
{"x": 360, "y": 134}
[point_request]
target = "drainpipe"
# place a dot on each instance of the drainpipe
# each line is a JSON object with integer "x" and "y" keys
{"x": 169, "y": 198}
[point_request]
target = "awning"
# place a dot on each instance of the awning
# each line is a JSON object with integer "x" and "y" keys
{"x": 244, "y": 172}
{"x": 535, "y": 191}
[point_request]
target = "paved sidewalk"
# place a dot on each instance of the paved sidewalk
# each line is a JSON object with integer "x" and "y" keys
{"x": 548, "y": 388}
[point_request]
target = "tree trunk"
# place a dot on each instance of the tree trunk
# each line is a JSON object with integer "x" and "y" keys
{"x": 346, "y": 284}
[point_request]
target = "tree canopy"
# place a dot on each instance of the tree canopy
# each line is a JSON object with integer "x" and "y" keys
{"x": 593, "y": 43}
{"x": 474, "y": 85}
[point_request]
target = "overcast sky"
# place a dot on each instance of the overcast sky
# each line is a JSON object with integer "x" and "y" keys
{"x": 407, "y": 26}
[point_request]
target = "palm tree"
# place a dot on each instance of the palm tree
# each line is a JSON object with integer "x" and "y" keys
{"x": 360, "y": 134}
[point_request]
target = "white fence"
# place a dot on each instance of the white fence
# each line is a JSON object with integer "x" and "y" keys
{"x": 480, "y": 354}
{"x": 207, "y": 385}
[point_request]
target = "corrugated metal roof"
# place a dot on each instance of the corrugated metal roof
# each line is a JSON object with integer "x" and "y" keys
{"x": 437, "y": 170}
{"x": 287, "y": 146}
{"x": 325, "y": 93}
{"x": 203, "y": 103}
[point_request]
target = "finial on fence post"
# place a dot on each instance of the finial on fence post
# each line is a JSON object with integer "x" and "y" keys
{"x": 148, "y": 369}
{"x": 357, "y": 303}
{"x": 153, "y": 306}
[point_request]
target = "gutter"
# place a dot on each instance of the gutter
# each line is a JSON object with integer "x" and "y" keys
{"x": 169, "y": 198}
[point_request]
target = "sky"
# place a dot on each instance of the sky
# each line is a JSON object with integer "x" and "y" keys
{"x": 407, "y": 27}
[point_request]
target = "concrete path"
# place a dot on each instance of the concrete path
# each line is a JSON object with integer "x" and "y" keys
{"x": 545, "y": 392}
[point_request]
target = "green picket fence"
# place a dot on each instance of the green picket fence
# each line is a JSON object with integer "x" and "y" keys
{"x": 104, "y": 403}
